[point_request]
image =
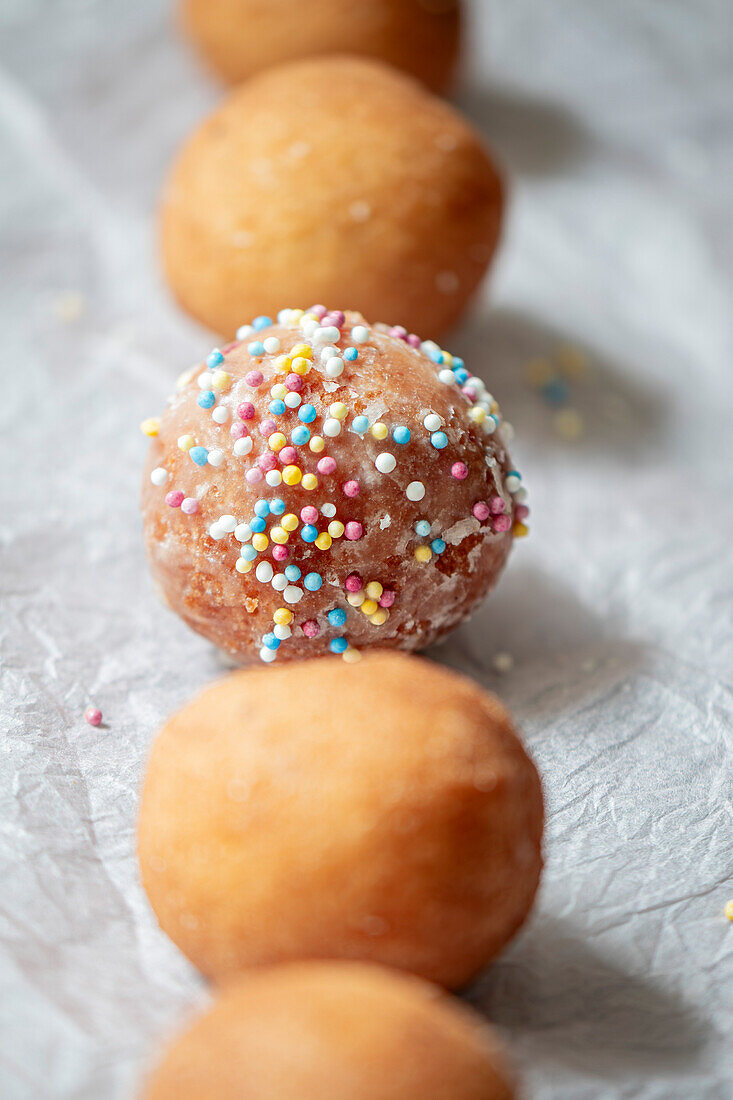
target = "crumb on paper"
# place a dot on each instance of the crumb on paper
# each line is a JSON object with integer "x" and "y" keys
{"x": 503, "y": 662}
{"x": 69, "y": 306}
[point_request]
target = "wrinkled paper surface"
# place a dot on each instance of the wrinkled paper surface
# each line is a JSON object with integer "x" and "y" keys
{"x": 614, "y": 123}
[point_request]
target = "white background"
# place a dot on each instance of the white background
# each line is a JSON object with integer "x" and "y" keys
{"x": 614, "y": 122}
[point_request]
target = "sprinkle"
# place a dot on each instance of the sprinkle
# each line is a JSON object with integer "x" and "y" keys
{"x": 185, "y": 442}
{"x": 729, "y": 909}
{"x": 279, "y": 552}
{"x": 292, "y": 475}
{"x": 289, "y": 522}
{"x": 459, "y": 470}
{"x": 279, "y": 535}
{"x": 294, "y": 383}
{"x": 292, "y": 399}
{"x": 481, "y": 511}
{"x": 267, "y": 655}
{"x": 301, "y": 365}
{"x": 216, "y": 532}
{"x": 353, "y": 583}
{"x": 328, "y": 510}
{"x": 248, "y": 553}
{"x": 283, "y": 364}
{"x": 437, "y": 546}
{"x": 204, "y": 380}
{"x": 423, "y": 554}
{"x": 221, "y": 380}
{"x": 331, "y": 427}
{"x": 324, "y": 540}
{"x": 351, "y": 354}
{"x": 243, "y": 446}
{"x": 385, "y": 462}
{"x": 242, "y": 565}
{"x": 336, "y": 529}
{"x": 422, "y": 527}
{"x": 174, "y": 499}
{"x": 215, "y": 458}
{"x": 282, "y": 616}
{"x": 317, "y": 444}
{"x": 300, "y": 435}
{"x": 246, "y": 410}
{"x": 309, "y": 514}
{"x": 432, "y": 422}
{"x": 513, "y": 481}
{"x": 288, "y": 456}
{"x": 369, "y": 607}
{"x": 151, "y": 426}
{"x": 206, "y": 399}
{"x": 272, "y": 345}
{"x": 278, "y": 391}
{"x": 351, "y": 488}
{"x": 351, "y": 655}
{"x": 214, "y": 358}
{"x": 379, "y": 618}
{"x": 360, "y": 425}
{"x": 254, "y": 475}
{"x": 336, "y": 617}
{"x": 243, "y": 532}
{"x": 496, "y": 506}
{"x": 307, "y": 414}
{"x": 309, "y": 533}
{"x": 401, "y": 434}
{"x": 282, "y": 632}
{"x": 270, "y": 640}
{"x": 503, "y": 662}
{"x": 189, "y": 506}
{"x": 276, "y": 441}
{"x": 254, "y": 378}
{"x": 353, "y": 530}
{"x": 261, "y": 322}
{"x": 159, "y": 476}
{"x": 243, "y": 332}
{"x": 311, "y": 629}
{"x": 568, "y": 424}
{"x": 360, "y": 334}
{"x": 221, "y": 415}
{"x": 446, "y": 377}
{"x": 439, "y": 440}
{"x": 502, "y": 523}
{"x": 356, "y": 599}
{"x": 338, "y": 410}
{"x": 326, "y": 465}
{"x": 273, "y": 478}
{"x": 387, "y": 598}
{"x": 260, "y": 543}
{"x": 256, "y": 348}
{"x": 379, "y": 430}
{"x": 313, "y": 581}
{"x": 262, "y": 508}
{"x": 293, "y": 594}
{"x": 293, "y": 573}
{"x": 277, "y": 408}
{"x": 93, "y": 716}
{"x": 334, "y": 367}
{"x": 520, "y": 530}
{"x": 374, "y": 590}
{"x": 199, "y": 455}
{"x": 338, "y": 645}
{"x": 415, "y": 490}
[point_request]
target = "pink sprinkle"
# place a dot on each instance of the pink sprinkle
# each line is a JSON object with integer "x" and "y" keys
{"x": 398, "y": 332}
{"x": 311, "y": 628}
{"x": 459, "y": 470}
{"x": 288, "y": 456}
{"x": 351, "y": 489}
{"x": 267, "y": 427}
{"x": 481, "y": 511}
{"x": 254, "y": 378}
{"x": 238, "y": 430}
{"x": 174, "y": 499}
{"x": 267, "y": 461}
{"x": 294, "y": 382}
{"x": 190, "y": 506}
{"x": 309, "y": 514}
{"x": 353, "y": 530}
{"x": 335, "y": 318}
{"x": 387, "y": 598}
{"x": 246, "y": 410}
{"x": 93, "y": 715}
{"x": 254, "y": 475}
{"x": 326, "y": 465}
{"x": 470, "y": 393}
{"x": 497, "y": 506}
{"x": 413, "y": 340}
{"x": 502, "y": 523}
{"x": 229, "y": 347}
{"x": 280, "y": 553}
{"x": 521, "y": 511}
{"x": 353, "y": 583}
{"x": 318, "y": 311}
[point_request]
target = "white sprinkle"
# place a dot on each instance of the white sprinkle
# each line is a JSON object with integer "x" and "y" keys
{"x": 429, "y": 345}
{"x": 263, "y": 572}
{"x": 268, "y": 655}
{"x": 331, "y": 427}
{"x": 215, "y": 458}
{"x": 385, "y": 462}
{"x": 220, "y": 414}
{"x": 273, "y": 478}
{"x": 360, "y": 334}
{"x": 489, "y": 425}
{"x": 335, "y": 367}
{"x": 432, "y": 422}
{"x": 293, "y": 594}
{"x": 283, "y": 317}
{"x": 244, "y": 332}
{"x": 446, "y": 377}
{"x": 204, "y": 380}
{"x": 292, "y": 399}
{"x": 512, "y": 482}
{"x": 243, "y": 532}
{"x": 520, "y": 495}
{"x": 326, "y": 335}
{"x": 216, "y": 532}
{"x": 242, "y": 566}
{"x": 279, "y": 582}
{"x": 271, "y": 345}
{"x": 227, "y": 523}
{"x": 415, "y": 490}
{"x": 159, "y": 476}
{"x": 328, "y": 352}
{"x": 328, "y": 510}
{"x": 309, "y": 327}
{"x": 243, "y": 446}
{"x": 281, "y": 632}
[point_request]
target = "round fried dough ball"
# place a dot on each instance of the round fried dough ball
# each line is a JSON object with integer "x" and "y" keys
{"x": 239, "y": 38}
{"x": 327, "y": 180}
{"x": 382, "y": 811}
{"x": 324, "y": 486}
{"x": 321, "y": 1031}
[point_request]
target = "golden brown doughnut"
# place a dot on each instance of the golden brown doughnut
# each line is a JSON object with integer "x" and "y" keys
{"x": 330, "y": 180}
{"x": 381, "y": 811}
{"x": 375, "y": 507}
{"x": 239, "y": 38}
{"x": 333, "y": 1031}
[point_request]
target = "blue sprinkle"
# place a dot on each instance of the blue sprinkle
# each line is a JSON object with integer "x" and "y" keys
{"x": 351, "y": 354}
{"x": 292, "y": 572}
{"x": 313, "y": 581}
{"x": 277, "y": 408}
{"x": 439, "y": 440}
{"x": 199, "y": 455}
{"x": 307, "y": 414}
{"x": 461, "y": 375}
{"x": 257, "y": 525}
{"x": 248, "y": 552}
{"x": 271, "y": 642}
{"x": 514, "y": 473}
{"x": 422, "y": 527}
{"x": 309, "y": 533}
{"x": 277, "y": 506}
{"x": 300, "y": 435}
{"x": 436, "y": 355}
{"x": 401, "y": 434}
{"x": 206, "y": 399}
{"x": 256, "y": 348}
{"x": 262, "y": 508}
{"x": 360, "y": 424}
{"x": 555, "y": 392}
{"x": 437, "y": 546}
{"x": 214, "y": 358}
{"x": 337, "y": 617}
{"x": 458, "y": 363}
{"x": 261, "y": 322}
{"x": 339, "y": 645}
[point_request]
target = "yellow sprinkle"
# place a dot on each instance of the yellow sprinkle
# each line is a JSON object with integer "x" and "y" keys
{"x": 379, "y": 618}
{"x": 729, "y": 909}
{"x": 185, "y": 442}
{"x": 310, "y": 481}
{"x": 369, "y": 607}
{"x": 151, "y": 426}
{"x": 302, "y": 350}
{"x": 282, "y": 616}
{"x": 539, "y": 371}
{"x": 278, "y": 391}
{"x": 477, "y": 414}
{"x": 283, "y": 364}
{"x": 338, "y": 410}
{"x": 317, "y": 444}
{"x": 260, "y": 542}
{"x": 276, "y": 441}
{"x": 292, "y": 475}
{"x": 520, "y": 530}
{"x": 289, "y": 521}
{"x": 184, "y": 378}
{"x": 295, "y": 315}
{"x": 221, "y": 380}
{"x": 301, "y": 366}
{"x": 351, "y": 656}
{"x": 279, "y": 535}
{"x": 423, "y": 554}
{"x": 374, "y": 590}
{"x": 447, "y": 359}
{"x": 572, "y": 359}
{"x": 356, "y": 599}
{"x": 379, "y": 430}
{"x": 324, "y": 540}
{"x": 568, "y": 424}
{"x": 242, "y": 566}
{"x": 335, "y": 528}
